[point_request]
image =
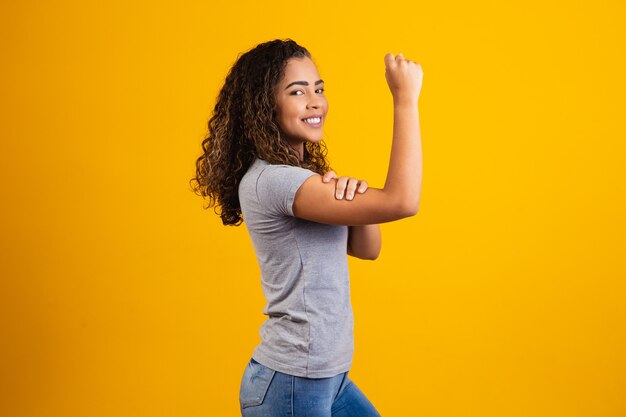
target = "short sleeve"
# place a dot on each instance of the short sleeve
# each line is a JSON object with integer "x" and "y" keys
{"x": 277, "y": 185}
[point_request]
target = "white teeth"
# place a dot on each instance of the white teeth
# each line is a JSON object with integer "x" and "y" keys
{"x": 313, "y": 120}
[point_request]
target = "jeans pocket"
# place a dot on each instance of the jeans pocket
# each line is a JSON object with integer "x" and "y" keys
{"x": 254, "y": 384}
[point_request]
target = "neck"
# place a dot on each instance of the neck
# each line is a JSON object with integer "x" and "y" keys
{"x": 299, "y": 148}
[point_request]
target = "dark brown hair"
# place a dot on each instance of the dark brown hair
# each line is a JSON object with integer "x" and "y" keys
{"x": 243, "y": 127}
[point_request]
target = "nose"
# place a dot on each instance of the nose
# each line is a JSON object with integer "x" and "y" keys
{"x": 314, "y": 102}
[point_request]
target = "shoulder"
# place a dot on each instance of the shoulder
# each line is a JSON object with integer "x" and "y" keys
{"x": 280, "y": 175}
{"x": 275, "y": 185}
{"x": 261, "y": 170}
{"x": 268, "y": 167}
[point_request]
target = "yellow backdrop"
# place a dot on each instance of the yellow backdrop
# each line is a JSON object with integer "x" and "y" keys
{"x": 505, "y": 296}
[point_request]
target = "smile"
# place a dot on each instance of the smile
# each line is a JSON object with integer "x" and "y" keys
{"x": 313, "y": 121}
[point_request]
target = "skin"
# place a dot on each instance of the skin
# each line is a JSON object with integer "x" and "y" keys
{"x": 364, "y": 241}
{"x": 316, "y": 200}
{"x": 300, "y": 95}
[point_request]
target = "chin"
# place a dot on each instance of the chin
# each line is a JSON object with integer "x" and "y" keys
{"x": 314, "y": 140}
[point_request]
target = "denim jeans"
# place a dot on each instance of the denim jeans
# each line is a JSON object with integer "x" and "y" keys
{"x": 265, "y": 392}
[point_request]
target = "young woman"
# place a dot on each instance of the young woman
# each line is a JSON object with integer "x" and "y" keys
{"x": 264, "y": 162}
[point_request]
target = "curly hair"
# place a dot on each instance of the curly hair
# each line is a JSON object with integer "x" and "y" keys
{"x": 244, "y": 126}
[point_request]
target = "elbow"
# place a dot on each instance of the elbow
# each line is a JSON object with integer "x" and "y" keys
{"x": 367, "y": 256}
{"x": 373, "y": 257}
{"x": 408, "y": 208}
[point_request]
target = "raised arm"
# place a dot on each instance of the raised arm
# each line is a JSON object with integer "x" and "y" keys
{"x": 400, "y": 196}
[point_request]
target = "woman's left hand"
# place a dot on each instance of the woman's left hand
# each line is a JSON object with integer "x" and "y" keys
{"x": 345, "y": 185}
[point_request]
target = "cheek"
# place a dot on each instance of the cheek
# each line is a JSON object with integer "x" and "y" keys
{"x": 289, "y": 113}
{"x": 284, "y": 120}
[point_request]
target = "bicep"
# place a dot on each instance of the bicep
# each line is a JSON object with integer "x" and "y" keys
{"x": 315, "y": 201}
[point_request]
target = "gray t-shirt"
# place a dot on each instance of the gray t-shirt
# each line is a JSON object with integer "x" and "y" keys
{"x": 304, "y": 276}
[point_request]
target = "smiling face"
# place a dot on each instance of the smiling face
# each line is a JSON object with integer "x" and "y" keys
{"x": 301, "y": 106}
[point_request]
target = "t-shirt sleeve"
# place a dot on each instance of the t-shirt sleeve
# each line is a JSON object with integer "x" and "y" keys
{"x": 277, "y": 185}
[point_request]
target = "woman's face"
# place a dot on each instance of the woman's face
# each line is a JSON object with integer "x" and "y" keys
{"x": 301, "y": 106}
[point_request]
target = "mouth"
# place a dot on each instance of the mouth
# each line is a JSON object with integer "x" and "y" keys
{"x": 315, "y": 121}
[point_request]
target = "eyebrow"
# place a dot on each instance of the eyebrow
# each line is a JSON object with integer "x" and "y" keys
{"x": 303, "y": 83}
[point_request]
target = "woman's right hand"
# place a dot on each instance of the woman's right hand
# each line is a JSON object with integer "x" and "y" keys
{"x": 404, "y": 78}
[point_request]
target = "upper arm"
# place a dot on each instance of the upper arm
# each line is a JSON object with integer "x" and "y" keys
{"x": 276, "y": 187}
{"x": 315, "y": 201}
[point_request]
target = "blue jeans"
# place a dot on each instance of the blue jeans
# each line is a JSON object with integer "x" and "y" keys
{"x": 265, "y": 392}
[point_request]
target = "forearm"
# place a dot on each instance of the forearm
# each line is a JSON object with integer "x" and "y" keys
{"x": 404, "y": 176}
{"x": 400, "y": 196}
{"x": 364, "y": 241}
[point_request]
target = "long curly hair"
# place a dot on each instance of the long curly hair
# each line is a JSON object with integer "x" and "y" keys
{"x": 244, "y": 126}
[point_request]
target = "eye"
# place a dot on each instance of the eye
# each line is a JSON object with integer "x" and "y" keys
{"x": 321, "y": 90}
{"x": 295, "y": 93}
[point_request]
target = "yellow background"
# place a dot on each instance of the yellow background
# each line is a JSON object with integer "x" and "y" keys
{"x": 505, "y": 295}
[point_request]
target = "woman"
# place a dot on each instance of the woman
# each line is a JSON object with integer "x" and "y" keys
{"x": 264, "y": 162}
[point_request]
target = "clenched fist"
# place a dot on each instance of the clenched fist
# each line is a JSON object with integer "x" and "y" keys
{"x": 404, "y": 78}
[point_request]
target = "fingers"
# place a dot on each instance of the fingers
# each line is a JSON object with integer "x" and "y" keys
{"x": 329, "y": 176}
{"x": 340, "y": 188}
{"x": 349, "y": 186}
{"x": 404, "y": 77}
{"x": 389, "y": 60}
{"x": 352, "y": 184}
{"x": 362, "y": 187}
